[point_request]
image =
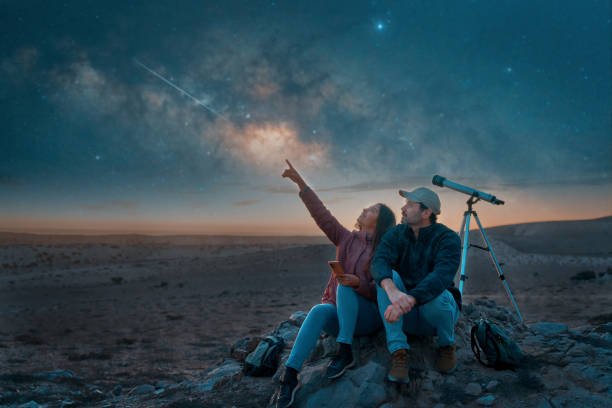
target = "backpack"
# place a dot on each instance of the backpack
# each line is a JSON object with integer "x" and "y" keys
{"x": 263, "y": 361}
{"x": 500, "y": 350}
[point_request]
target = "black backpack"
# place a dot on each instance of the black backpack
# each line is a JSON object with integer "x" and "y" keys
{"x": 263, "y": 361}
{"x": 500, "y": 350}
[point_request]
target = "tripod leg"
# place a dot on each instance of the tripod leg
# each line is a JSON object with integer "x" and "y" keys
{"x": 498, "y": 268}
{"x": 465, "y": 233}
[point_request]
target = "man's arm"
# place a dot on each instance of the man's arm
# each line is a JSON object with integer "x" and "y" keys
{"x": 386, "y": 258}
{"x": 446, "y": 262}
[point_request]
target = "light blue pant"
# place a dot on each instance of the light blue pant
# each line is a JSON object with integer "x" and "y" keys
{"x": 437, "y": 317}
{"x": 353, "y": 315}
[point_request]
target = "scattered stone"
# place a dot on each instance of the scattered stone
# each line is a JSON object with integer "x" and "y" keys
{"x": 243, "y": 347}
{"x": 486, "y": 400}
{"x": 29, "y": 340}
{"x": 549, "y": 328}
{"x": 605, "y": 318}
{"x": 297, "y": 318}
{"x": 230, "y": 370}
{"x": 584, "y": 275}
{"x": 473, "y": 389}
{"x": 163, "y": 384}
{"x": 492, "y": 385}
{"x": 143, "y": 389}
{"x": 56, "y": 375}
{"x": 117, "y": 390}
{"x": 30, "y": 404}
{"x": 287, "y": 330}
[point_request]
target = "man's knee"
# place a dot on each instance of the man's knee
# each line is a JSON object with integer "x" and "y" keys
{"x": 440, "y": 307}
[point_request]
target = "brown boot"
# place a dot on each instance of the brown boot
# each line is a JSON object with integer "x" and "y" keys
{"x": 447, "y": 360}
{"x": 399, "y": 367}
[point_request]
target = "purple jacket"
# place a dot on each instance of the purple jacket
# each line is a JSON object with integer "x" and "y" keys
{"x": 353, "y": 248}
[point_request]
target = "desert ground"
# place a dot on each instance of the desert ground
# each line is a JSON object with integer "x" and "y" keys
{"x": 134, "y": 309}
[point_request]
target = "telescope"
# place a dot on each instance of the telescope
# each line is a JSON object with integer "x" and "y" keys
{"x": 444, "y": 182}
{"x": 475, "y": 196}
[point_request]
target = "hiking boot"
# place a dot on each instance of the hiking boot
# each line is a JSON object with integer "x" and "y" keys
{"x": 447, "y": 360}
{"x": 399, "y": 367}
{"x": 288, "y": 387}
{"x": 341, "y": 362}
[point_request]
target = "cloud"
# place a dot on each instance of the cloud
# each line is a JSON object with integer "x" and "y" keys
{"x": 245, "y": 203}
{"x": 8, "y": 181}
{"x": 111, "y": 206}
{"x": 22, "y": 62}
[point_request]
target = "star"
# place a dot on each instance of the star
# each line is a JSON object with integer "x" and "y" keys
{"x": 509, "y": 70}
{"x": 380, "y": 26}
{"x": 98, "y": 157}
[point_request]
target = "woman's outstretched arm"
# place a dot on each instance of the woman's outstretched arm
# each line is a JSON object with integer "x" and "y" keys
{"x": 322, "y": 216}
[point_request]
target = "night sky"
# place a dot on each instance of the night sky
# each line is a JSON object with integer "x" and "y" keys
{"x": 510, "y": 97}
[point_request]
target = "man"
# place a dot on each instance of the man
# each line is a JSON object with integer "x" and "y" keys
{"x": 420, "y": 298}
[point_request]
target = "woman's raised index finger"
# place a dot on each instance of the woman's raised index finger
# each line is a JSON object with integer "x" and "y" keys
{"x": 289, "y": 164}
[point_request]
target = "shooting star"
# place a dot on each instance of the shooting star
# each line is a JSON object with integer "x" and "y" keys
{"x": 181, "y": 90}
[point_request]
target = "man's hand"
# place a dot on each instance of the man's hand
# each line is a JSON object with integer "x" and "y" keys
{"x": 348, "y": 280}
{"x": 392, "y": 314}
{"x": 292, "y": 174}
{"x": 399, "y": 300}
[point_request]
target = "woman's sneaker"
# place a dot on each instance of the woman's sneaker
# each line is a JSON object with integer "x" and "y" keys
{"x": 288, "y": 387}
{"x": 341, "y": 362}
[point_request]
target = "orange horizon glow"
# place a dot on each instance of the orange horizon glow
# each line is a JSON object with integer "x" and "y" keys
{"x": 154, "y": 227}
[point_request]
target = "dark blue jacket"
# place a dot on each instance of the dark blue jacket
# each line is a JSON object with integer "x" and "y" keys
{"x": 427, "y": 265}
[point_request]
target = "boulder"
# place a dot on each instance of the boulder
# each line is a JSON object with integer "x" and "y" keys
{"x": 230, "y": 370}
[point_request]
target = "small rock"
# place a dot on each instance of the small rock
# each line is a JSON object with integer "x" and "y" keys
{"x": 226, "y": 372}
{"x": 584, "y": 275}
{"x": 55, "y": 375}
{"x": 297, "y": 318}
{"x": 30, "y": 404}
{"x": 473, "y": 389}
{"x": 372, "y": 394}
{"x": 427, "y": 385}
{"x": 143, "y": 389}
{"x": 486, "y": 400}
{"x": 492, "y": 384}
{"x": 243, "y": 347}
{"x": 287, "y": 331}
{"x": 163, "y": 384}
{"x": 549, "y": 328}
{"x": 117, "y": 390}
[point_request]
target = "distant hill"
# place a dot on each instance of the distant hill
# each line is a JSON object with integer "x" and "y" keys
{"x": 584, "y": 237}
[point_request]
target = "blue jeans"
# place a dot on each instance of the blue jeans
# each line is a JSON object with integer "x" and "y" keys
{"x": 437, "y": 317}
{"x": 353, "y": 315}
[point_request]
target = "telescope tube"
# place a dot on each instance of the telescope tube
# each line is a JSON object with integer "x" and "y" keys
{"x": 444, "y": 182}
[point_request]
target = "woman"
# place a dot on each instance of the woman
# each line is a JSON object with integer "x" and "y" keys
{"x": 348, "y": 306}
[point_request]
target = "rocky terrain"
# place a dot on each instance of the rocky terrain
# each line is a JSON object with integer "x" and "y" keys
{"x": 563, "y": 367}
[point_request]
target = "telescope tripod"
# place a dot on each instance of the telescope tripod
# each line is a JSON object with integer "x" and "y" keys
{"x": 465, "y": 234}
